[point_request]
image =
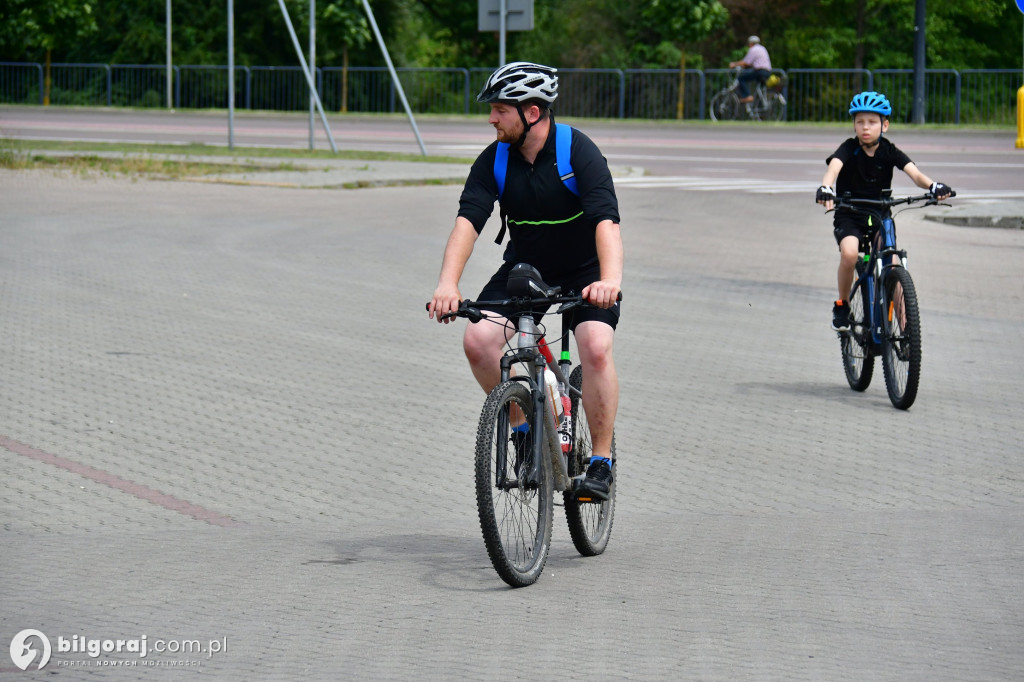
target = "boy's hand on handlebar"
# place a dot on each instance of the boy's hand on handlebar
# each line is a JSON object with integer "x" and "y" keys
{"x": 940, "y": 191}
{"x": 446, "y": 300}
{"x": 601, "y": 294}
{"x": 826, "y": 196}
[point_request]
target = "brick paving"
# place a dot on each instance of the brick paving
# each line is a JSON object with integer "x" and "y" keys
{"x": 225, "y": 417}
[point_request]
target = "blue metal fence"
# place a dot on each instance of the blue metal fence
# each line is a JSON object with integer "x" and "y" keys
{"x": 966, "y": 96}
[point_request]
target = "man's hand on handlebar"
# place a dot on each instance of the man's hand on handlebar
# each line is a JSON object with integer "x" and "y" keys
{"x": 446, "y": 300}
{"x": 601, "y": 294}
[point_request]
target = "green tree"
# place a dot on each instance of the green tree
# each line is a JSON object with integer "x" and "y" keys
{"x": 33, "y": 26}
{"x": 680, "y": 25}
{"x": 342, "y": 22}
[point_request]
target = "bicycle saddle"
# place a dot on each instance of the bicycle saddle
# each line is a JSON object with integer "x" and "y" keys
{"x": 525, "y": 280}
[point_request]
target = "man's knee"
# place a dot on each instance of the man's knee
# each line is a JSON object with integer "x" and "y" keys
{"x": 482, "y": 342}
{"x": 595, "y": 340}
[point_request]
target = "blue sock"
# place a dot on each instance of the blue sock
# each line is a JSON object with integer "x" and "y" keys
{"x": 522, "y": 428}
{"x": 594, "y": 459}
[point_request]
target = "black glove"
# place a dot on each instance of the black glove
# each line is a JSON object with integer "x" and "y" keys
{"x": 940, "y": 191}
{"x": 825, "y": 193}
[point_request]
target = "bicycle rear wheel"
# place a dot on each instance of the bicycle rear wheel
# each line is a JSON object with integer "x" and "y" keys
{"x": 858, "y": 357}
{"x": 724, "y": 105}
{"x": 590, "y": 523}
{"x": 901, "y": 343}
{"x": 776, "y": 107}
{"x": 515, "y": 513}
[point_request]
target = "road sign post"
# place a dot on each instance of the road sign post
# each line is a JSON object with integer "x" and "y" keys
{"x": 503, "y": 16}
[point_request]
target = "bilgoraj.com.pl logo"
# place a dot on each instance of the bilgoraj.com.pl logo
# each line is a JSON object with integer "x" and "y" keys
{"x": 28, "y": 645}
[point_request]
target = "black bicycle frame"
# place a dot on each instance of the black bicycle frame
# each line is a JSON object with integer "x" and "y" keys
{"x": 883, "y": 250}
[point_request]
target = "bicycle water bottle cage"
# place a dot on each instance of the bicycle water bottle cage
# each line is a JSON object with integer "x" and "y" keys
{"x": 525, "y": 280}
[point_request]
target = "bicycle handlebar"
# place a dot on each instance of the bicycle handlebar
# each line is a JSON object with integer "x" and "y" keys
{"x": 847, "y": 201}
{"x": 471, "y": 309}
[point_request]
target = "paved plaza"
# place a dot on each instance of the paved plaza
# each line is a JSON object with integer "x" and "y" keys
{"x": 226, "y": 421}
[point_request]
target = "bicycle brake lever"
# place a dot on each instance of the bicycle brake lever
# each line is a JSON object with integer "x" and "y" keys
{"x": 566, "y": 307}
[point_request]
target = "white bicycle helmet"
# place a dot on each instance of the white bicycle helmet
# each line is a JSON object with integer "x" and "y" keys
{"x": 518, "y": 82}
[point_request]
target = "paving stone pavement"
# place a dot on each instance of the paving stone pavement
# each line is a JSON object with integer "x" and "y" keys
{"x": 225, "y": 418}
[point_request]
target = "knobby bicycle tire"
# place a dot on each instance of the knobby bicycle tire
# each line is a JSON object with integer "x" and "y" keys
{"x": 901, "y": 342}
{"x": 515, "y": 518}
{"x": 590, "y": 523}
{"x": 858, "y": 356}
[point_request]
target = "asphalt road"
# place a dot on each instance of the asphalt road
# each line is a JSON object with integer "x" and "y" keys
{"x": 226, "y": 419}
{"x": 984, "y": 163}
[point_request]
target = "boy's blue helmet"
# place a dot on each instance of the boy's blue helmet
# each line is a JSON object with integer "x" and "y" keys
{"x": 873, "y": 102}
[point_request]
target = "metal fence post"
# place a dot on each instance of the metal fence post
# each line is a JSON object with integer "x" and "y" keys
{"x": 954, "y": 96}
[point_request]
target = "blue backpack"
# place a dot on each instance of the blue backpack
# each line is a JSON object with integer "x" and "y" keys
{"x": 563, "y": 141}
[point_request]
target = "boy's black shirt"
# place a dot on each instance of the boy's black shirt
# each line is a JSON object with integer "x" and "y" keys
{"x": 863, "y": 176}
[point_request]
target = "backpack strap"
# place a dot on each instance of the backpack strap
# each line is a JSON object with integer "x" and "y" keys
{"x": 500, "y": 167}
{"x": 563, "y": 142}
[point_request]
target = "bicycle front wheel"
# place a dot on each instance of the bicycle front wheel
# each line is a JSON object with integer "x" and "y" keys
{"x": 724, "y": 105}
{"x": 858, "y": 358}
{"x": 901, "y": 342}
{"x": 590, "y": 523}
{"x": 515, "y": 512}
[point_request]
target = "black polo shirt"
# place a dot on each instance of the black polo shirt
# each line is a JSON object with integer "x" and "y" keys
{"x": 550, "y": 227}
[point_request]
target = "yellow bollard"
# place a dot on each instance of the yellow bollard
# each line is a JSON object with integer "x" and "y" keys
{"x": 1020, "y": 118}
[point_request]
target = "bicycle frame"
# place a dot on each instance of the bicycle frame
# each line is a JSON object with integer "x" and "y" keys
{"x": 533, "y": 351}
{"x": 881, "y": 262}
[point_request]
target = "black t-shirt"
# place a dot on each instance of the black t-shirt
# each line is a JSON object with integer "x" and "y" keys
{"x": 863, "y": 176}
{"x": 550, "y": 228}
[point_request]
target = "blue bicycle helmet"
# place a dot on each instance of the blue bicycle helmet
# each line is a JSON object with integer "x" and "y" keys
{"x": 874, "y": 102}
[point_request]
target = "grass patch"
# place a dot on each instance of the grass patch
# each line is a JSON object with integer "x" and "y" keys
{"x": 198, "y": 149}
{"x": 161, "y": 168}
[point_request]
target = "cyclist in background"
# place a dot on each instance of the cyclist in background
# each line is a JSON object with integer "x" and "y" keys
{"x": 757, "y": 66}
{"x": 573, "y": 240}
{"x": 863, "y": 166}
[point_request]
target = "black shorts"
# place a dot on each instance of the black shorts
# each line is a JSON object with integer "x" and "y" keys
{"x": 495, "y": 290}
{"x": 852, "y": 225}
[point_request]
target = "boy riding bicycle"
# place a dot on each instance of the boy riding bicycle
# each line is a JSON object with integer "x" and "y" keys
{"x": 862, "y": 166}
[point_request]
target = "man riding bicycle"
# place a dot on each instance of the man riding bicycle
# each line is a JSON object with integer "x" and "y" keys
{"x": 757, "y": 66}
{"x": 571, "y": 237}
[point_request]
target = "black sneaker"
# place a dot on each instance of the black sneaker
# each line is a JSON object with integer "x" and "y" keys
{"x": 841, "y": 316}
{"x": 598, "y": 482}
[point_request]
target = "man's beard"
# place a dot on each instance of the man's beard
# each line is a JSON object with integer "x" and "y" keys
{"x": 511, "y": 135}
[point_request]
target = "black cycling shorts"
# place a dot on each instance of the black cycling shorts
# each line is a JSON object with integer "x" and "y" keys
{"x": 495, "y": 290}
{"x": 851, "y": 225}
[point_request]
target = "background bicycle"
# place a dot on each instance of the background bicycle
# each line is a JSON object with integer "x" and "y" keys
{"x": 769, "y": 103}
{"x": 884, "y": 313}
{"x": 519, "y": 469}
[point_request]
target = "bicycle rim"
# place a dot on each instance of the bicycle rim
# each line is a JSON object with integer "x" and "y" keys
{"x": 590, "y": 523}
{"x": 901, "y": 345}
{"x": 858, "y": 359}
{"x": 515, "y": 514}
